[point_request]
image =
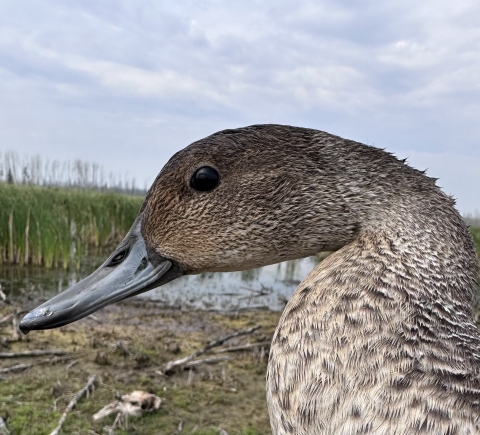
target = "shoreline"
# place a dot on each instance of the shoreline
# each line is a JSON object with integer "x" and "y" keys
{"x": 126, "y": 345}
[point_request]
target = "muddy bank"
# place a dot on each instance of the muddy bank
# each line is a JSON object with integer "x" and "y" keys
{"x": 127, "y": 346}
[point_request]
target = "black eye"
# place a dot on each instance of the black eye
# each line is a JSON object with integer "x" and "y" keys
{"x": 204, "y": 179}
{"x": 118, "y": 258}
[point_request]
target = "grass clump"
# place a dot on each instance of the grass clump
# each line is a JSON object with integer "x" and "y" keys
{"x": 53, "y": 227}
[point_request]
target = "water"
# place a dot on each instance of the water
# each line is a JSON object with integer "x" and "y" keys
{"x": 268, "y": 287}
{"x": 18, "y": 282}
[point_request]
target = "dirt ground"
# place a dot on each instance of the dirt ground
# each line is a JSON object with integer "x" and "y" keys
{"x": 127, "y": 345}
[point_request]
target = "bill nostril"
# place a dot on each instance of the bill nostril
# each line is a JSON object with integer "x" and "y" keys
{"x": 143, "y": 265}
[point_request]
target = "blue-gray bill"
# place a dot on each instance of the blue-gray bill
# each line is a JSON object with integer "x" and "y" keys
{"x": 130, "y": 270}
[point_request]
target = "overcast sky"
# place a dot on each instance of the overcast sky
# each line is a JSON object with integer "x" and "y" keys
{"x": 126, "y": 84}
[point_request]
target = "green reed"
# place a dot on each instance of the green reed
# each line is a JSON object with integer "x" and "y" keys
{"x": 55, "y": 227}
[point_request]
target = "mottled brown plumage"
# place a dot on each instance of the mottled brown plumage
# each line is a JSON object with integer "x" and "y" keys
{"x": 380, "y": 337}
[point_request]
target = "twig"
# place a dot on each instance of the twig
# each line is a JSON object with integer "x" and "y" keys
{"x": 3, "y": 427}
{"x": 21, "y": 367}
{"x": 56, "y": 359}
{"x": 72, "y": 404}
{"x": 16, "y": 368}
{"x": 95, "y": 318}
{"x": 115, "y": 422}
{"x": 239, "y": 309}
{"x": 264, "y": 291}
{"x": 244, "y": 347}
{"x": 190, "y": 377}
{"x": 6, "y": 319}
{"x": 31, "y": 353}
{"x": 69, "y": 366}
{"x": 182, "y": 361}
{"x": 118, "y": 345}
{"x": 3, "y": 296}
{"x": 17, "y": 335}
{"x": 213, "y": 360}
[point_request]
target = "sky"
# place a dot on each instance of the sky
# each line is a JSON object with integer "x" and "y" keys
{"x": 126, "y": 84}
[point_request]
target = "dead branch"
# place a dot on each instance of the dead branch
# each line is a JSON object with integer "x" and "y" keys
{"x": 21, "y": 367}
{"x": 244, "y": 347}
{"x": 31, "y": 353}
{"x": 3, "y": 427}
{"x": 17, "y": 335}
{"x": 214, "y": 360}
{"x": 182, "y": 361}
{"x": 3, "y": 296}
{"x": 118, "y": 345}
{"x": 69, "y": 366}
{"x": 6, "y": 319}
{"x": 95, "y": 318}
{"x": 72, "y": 404}
{"x": 56, "y": 359}
{"x": 241, "y": 309}
{"x": 16, "y": 368}
{"x": 114, "y": 425}
{"x": 264, "y": 291}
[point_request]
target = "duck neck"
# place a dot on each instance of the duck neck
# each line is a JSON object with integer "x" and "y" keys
{"x": 409, "y": 229}
{"x": 386, "y": 316}
{"x": 394, "y": 274}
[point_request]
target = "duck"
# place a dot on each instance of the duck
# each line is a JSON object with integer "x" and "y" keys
{"x": 380, "y": 337}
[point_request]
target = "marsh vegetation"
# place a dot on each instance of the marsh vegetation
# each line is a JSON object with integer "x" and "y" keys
{"x": 54, "y": 227}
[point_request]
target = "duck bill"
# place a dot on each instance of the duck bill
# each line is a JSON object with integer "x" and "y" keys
{"x": 131, "y": 269}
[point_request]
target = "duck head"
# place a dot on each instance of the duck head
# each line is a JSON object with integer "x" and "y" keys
{"x": 235, "y": 200}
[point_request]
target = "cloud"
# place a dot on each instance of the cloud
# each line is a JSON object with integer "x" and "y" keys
{"x": 91, "y": 79}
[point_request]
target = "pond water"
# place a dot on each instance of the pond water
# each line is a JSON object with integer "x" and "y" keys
{"x": 268, "y": 287}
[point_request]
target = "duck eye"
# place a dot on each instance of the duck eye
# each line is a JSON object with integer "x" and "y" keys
{"x": 204, "y": 179}
{"x": 118, "y": 258}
